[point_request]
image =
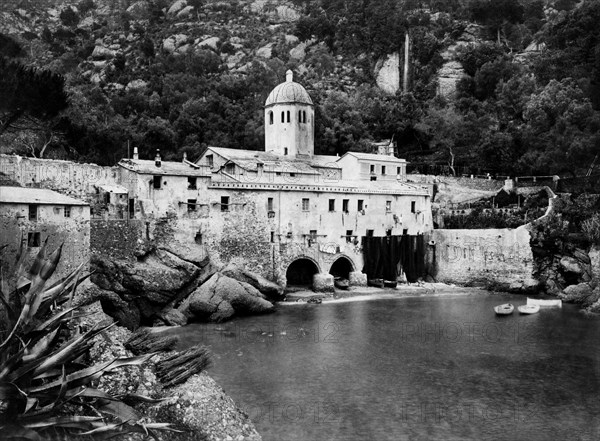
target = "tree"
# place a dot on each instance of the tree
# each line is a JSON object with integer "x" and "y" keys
{"x": 29, "y": 93}
{"x": 495, "y": 13}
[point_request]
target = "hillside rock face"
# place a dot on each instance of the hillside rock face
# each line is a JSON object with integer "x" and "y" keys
{"x": 388, "y": 73}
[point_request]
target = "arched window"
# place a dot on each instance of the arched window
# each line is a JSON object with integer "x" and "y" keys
{"x": 271, "y": 117}
{"x": 304, "y": 116}
{"x": 288, "y": 116}
{"x": 299, "y": 116}
{"x": 282, "y": 116}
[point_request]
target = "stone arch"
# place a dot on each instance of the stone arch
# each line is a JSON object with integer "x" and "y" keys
{"x": 342, "y": 267}
{"x": 300, "y": 272}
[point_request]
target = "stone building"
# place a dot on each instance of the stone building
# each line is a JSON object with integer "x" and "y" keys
{"x": 34, "y": 215}
{"x": 285, "y": 212}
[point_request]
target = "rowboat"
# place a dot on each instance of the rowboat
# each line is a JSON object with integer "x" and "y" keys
{"x": 528, "y": 309}
{"x": 505, "y": 309}
{"x": 375, "y": 282}
{"x": 341, "y": 283}
{"x": 390, "y": 283}
{"x": 549, "y": 303}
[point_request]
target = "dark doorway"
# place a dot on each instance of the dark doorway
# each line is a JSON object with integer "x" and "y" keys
{"x": 300, "y": 273}
{"x": 341, "y": 268}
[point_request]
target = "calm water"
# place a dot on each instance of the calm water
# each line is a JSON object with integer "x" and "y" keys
{"x": 427, "y": 368}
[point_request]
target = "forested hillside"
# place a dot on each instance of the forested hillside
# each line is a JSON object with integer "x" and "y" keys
{"x": 86, "y": 79}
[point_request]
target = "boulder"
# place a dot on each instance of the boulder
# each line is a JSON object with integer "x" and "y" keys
{"x": 176, "y": 7}
{"x": 173, "y": 317}
{"x": 594, "y": 255}
{"x": 576, "y": 293}
{"x": 185, "y": 12}
{"x": 101, "y": 52}
{"x": 136, "y": 85}
{"x": 171, "y": 43}
{"x": 571, "y": 265}
{"x": 595, "y": 307}
{"x": 323, "y": 283}
{"x": 139, "y": 10}
{"x": 221, "y": 297}
{"x": 265, "y": 51}
{"x": 210, "y": 43}
{"x": 265, "y": 286}
{"x": 357, "y": 278}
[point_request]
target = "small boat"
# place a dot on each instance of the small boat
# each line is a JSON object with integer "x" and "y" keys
{"x": 545, "y": 303}
{"x": 375, "y": 282}
{"x": 341, "y": 283}
{"x": 390, "y": 283}
{"x": 315, "y": 300}
{"x": 528, "y": 309}
{"x": 505, "y": 309}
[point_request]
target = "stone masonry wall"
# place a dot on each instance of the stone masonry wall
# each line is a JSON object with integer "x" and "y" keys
{"x": 116, "y": 239}
{"x": 495, "y": 258}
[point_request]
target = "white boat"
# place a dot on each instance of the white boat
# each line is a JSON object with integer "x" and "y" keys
{"x": 546, "y": 303}
{"x": 505, "y": 309}
{"x": 528, "y": 309}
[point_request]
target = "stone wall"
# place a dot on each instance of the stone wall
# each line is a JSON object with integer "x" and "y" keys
{"x": 116, "y": 239}
{"x": 589, "y": 184}
{"x": 70, "y": 178}
{"x": 500, "y": 258}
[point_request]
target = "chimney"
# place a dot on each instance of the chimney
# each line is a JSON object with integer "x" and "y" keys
{"x": 157, "y": 158}
{"x": 184, "y": 156}
{"x": 289, "y": 76}
{"x": 135, "y": 153}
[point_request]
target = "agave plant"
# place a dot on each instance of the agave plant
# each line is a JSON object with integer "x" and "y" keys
{"x": 46, "y": 390}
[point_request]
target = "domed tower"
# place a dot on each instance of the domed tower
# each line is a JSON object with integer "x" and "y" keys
{"x": 289, "y": 120}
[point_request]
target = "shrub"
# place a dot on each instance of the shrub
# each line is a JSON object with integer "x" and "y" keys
{"x": 46, "y": 391}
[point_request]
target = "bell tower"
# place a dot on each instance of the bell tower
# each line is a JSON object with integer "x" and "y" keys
{"x": 289, "y": 120}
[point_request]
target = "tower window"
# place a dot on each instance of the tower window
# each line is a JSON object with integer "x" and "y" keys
{"x": 282, "y": 117}
{"x": 300, "y": 116}
{"x": 285, "y": 151}
{"x": 288, "y": 116}
{"x": 271, "y": 117}
{"x": 373, "y": 178}
{"x": 304, "y": 116}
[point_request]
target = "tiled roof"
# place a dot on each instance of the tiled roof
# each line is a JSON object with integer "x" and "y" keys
{"x": 42, "y": 196}
{"x": 248, "y": 159}
{"x": 374, "y": 157}
{"x": 147, "y": 166}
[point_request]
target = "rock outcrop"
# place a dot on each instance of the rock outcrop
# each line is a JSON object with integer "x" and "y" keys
{"x": 268, "y": 288}
{"x": 222, "y": 297}
{"x": 388, "y": 73}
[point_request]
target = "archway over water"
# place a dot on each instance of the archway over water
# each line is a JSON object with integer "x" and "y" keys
{"x": 341, "y": 268}
{"x": 300, "y": 273}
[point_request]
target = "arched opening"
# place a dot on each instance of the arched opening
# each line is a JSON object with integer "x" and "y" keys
{"x": 300, "y": 273}
{"x": 299, "y": 116}
{"x": 304, "y": 116}
{"x": 282, "y": 117}
{"x": 271, "y": 117}
{"x": 288, "y": 116}
{"x": 341, "y": 268}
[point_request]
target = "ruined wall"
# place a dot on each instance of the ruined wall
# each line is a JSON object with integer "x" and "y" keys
{"x": 70, "y": 178}
{"x": 73, "y": 232}
{"x": 495, "y": 257}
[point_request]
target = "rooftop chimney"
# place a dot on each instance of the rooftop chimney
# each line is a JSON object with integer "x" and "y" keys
{"x": 157, "y": 158}
{"x": 184, "y": 156}
{"x": 289, "y": 76}
{"x": 135, "y": 153}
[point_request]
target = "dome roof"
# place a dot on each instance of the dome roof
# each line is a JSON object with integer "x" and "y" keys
{"x": 288, "y": 92}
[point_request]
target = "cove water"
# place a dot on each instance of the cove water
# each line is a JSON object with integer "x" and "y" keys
{"x": 426, "y": 368}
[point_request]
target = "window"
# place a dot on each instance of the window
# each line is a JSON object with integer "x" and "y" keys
{"x": 299, "y": 116}
{"x": 388, "y": 232}
{"x": 370, "y": 233}
{"x": 348, "y": 236}
{"x": 372, "y": 168}
{"x": 271, "y": 118}
{"x": 224, "y": 203}
{"x": 313, "y": 235}
{"x": 210, "y": 160}
{"x": 191, "y": 205}
{"x": 270, "y": 204}
{"x": 373, "y": 178}
{"x": 278, "y": 173}
{"x": 359, "y": 205}
{"x": 398, "y": 170}
{"x": 405, "y": 232}
{"x": 282, "y": 117}
{"x": 292, "y": 175}
{"x": 67, "y": 211}
{"x": 304, "y": 116}
{"x": 383, "y": 169}
{"x": 107, "y": 198}
{"x": 157, "y": 180}
{"x": 33, "y": 212}
{"x": 288, "y": 116}
{"x": 285, "y": 151}
{"x": 272, "y": 236}
{"x": 33, "y": 239}
{"x": 388, "y": 206}
{"x": 198, "y": 238}
{"x": 230, "y": 168}
{"x": 331, "y": 204}
{"x": 345, "y": 203}
{"x": 305, "y": 204}
{"x": 191, "y": 183}
{"x": 413, "y": 206}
